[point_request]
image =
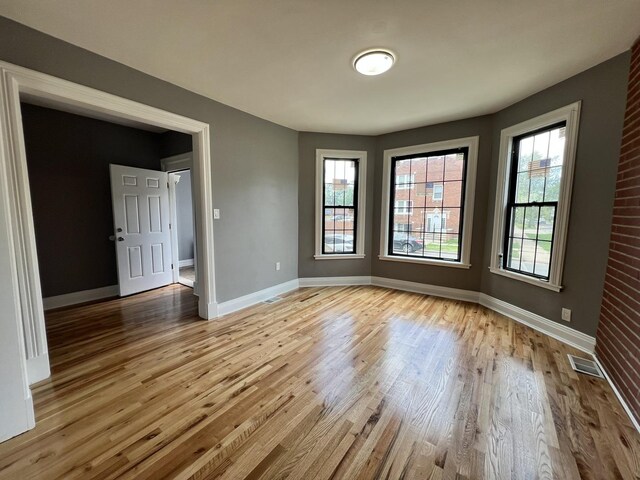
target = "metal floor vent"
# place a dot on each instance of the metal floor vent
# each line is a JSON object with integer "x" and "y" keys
{"x": 273, "y": 300}
{"x": 586, "y": 366}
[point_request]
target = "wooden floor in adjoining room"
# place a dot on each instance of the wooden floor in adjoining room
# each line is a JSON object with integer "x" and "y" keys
{"x": 341, "y": 382}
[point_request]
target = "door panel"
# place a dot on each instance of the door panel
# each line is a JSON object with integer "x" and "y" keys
{"x": 141, "y": 221}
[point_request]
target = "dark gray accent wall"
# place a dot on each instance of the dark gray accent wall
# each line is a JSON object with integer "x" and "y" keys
{"x": 467, "y": 279}
{"x": 174, "y": 143}
{"x": 255, "y": 162}
{"x": 602, "y": 90}
{"x": 184, "y": 214}
{"x": 308, "y": 266}
{"x": 68, "y": 159}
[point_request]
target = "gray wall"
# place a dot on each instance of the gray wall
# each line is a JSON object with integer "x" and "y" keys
{"x": 184, "y": 214}
{"x": 436, "y": 275}
{"x": 68, "y": 158}
{"x": 602, "y": 90}
{"x": 307, "y": 265}
{"x": 255, "y": 162}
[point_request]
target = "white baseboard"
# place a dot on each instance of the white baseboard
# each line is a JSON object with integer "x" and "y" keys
{"x": 621, "y": 399}
{"x": 38, "y": 368}
{"x": 80, "y": 297}
{"x": 245, "y": 301}
{"x": 572, "y": 337}
{"x": 186, "y": 263}
{"x": 207, "y": 310}
{"x": 19, "y": 422}
{"x": 186, "y": 282}
{"x": 334, "y": 281}
{"x": 435, "y": 290}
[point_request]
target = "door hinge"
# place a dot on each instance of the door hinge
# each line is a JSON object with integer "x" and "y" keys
{"x": 172, "y": 266}
{"x": 169, "y": 226}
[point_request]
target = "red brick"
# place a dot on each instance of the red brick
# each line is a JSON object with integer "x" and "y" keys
{"x": 618, "y": 336}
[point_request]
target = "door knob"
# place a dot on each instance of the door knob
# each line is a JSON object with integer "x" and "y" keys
{"x": 118, "y": 230}
{"x": 120, "y": 239}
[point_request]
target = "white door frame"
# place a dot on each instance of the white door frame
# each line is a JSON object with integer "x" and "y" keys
{"x": 176, "y": 164}
{"x": 16, "y": 81}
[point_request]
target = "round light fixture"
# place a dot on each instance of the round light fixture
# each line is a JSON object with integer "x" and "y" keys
{"x": 374, "y": 62}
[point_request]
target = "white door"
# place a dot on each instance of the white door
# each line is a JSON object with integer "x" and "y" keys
{"x": 141, "y": 227}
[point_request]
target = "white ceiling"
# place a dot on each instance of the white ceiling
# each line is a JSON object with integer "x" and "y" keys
{"x": 289, "y": 61}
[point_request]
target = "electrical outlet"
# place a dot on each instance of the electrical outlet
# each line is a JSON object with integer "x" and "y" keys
{"x": 216, "y": 213}
{"x": 566, "y": 314}
{"x": 277, "y": 265}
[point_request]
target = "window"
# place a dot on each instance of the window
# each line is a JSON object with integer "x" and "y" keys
{"x": 532, "y": 201}
{"x": 405, "y": 181}
{"x": 429, "y": 219}
{"x": 340, "y": 199}
{"x": 438, "y": 188}
{"x": 404, "y": 206}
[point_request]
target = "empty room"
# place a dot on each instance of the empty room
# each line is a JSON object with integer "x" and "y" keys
{"x": 320, "y": 240}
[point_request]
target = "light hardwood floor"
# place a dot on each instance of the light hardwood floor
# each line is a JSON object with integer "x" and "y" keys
{"x": 350, "y": 383}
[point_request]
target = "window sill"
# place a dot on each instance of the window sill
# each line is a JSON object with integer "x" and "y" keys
{"x": 525, "y": 279}
{"x": 425, "y": 261}
{"x": 349, "y": 256}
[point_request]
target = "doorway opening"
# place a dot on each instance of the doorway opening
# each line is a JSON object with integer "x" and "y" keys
{"x": 184, "y": 239}
{"x": 24, "y": 85}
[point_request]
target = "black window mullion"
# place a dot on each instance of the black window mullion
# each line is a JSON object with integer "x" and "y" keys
{"x": 424, "y": 233}
{"x": 513, "y": 205}
{"x": 343, "y": 206}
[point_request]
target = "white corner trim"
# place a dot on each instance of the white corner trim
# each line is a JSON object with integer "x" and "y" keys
{"x": 634, "y": 420}
{"x": 18, "y": 424}
{"x": 245, "y": 301}
{"x": 435, "y": 290}
{"x": 574, "y": 338}
{"x": 208, "y": 311}
{"x": 186, "y": 263}
{"x": 38, "y": 368}
{"x": 80, "y": 297}
{"x": 334, "y": 281}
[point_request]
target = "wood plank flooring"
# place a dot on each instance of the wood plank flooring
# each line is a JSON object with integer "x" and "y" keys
{"x": 344, "y": 383}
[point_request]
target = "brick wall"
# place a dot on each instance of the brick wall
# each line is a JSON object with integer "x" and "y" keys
{"x": 618, "y": 336}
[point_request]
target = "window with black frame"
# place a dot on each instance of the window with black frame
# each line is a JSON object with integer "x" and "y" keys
{"x": 427, "y": 197}
{"x": 340, "y": 205}
{"x": 534, "y": 191}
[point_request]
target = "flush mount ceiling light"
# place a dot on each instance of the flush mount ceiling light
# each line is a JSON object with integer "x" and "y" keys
{"x": 374, "y": 62}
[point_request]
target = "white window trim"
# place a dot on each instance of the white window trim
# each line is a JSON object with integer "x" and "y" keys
{"x": 467, "y": 228}
{"x": 361, "y": 157}
{"x": 571, "y": 115}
